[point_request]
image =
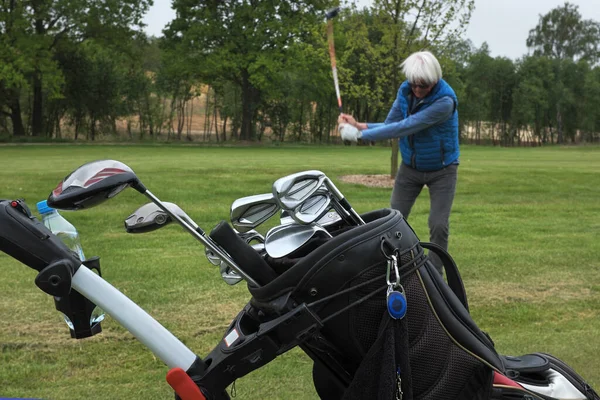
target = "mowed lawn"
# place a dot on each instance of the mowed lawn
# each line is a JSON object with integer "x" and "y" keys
{"x": 525, "y": 233}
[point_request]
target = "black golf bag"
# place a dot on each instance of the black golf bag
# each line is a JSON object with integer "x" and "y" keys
{"x": 331, "y": 300}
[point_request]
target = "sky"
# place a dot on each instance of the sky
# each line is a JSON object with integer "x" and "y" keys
{"x": 503, "y": 24}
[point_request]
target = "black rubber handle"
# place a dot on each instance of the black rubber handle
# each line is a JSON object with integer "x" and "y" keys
{"x": 242, "y": 253}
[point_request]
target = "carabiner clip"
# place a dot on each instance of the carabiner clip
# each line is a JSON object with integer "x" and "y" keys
{"x": 392, "y": 260}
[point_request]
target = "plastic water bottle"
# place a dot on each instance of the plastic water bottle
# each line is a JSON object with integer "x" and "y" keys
{"x": 62, "y": 228}
{"x": 75, "y": 303}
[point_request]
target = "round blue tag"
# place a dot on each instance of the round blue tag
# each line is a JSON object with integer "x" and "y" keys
{"x": 396, "y": 304}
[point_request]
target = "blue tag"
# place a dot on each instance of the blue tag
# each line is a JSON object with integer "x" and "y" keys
{"x": 396, "y": 304}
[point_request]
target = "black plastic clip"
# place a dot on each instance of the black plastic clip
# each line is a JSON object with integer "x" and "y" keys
{"x": 388, "y": 249}
{"x": 55, "y": 279}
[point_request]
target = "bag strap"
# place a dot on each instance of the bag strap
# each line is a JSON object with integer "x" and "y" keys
{"x": 454, "y": 280}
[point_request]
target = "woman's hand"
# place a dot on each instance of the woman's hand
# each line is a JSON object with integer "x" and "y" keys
{"x": 347, "y": 119}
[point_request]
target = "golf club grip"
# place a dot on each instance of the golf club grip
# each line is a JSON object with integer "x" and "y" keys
{"x": 242, "y": 253}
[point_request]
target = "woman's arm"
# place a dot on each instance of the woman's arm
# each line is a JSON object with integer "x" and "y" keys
{"x": 435, "y": 114}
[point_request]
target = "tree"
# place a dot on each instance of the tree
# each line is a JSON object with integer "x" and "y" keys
{"x": 502, "y": 81}
{"x": 590, "y": 121}
{"x": 563, "y": 35}
{"x": 20, "y": 55}
{"x": 241, "y": 41}
{"x": 475, "y": 105}
{"x": 38, "y": 27}
{"x": 532, "y": 96}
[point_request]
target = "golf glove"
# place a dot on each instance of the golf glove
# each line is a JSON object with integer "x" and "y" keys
{"x": 349, "y": 132}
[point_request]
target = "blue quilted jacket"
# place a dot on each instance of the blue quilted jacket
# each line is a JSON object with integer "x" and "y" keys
{"x": 437, "y": 146}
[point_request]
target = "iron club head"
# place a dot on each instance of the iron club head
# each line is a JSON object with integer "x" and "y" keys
{"x": 249, "y": 212}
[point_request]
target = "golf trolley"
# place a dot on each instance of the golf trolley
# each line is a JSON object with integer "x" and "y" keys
{"x": 363, "y": 301}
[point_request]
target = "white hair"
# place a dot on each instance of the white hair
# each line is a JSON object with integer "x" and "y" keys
{"x": 422, "y": 66}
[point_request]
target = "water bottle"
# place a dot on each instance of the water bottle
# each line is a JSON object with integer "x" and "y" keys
{"x": 81, "y": 315}
{"x": 62, "y": 228}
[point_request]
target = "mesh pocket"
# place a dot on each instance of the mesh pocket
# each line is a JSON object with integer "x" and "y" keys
{"x": 366, "y": 317}
{"x": 440, "y": 369}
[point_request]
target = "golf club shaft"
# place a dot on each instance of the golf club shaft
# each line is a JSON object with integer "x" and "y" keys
{"x": 199, "y": 234}
{"x": 333, "y": 62}
{"x": 343, "y": 202}
{"x": 342, "y": 212}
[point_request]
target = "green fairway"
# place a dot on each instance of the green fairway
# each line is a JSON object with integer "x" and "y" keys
{"x": 525, "y": 233}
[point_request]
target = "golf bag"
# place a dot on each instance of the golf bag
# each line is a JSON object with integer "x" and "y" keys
{"x": 332, "y": 303}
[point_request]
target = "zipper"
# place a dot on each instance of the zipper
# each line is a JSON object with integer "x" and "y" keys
{"x": 442, "y": 151}
{"x": 411, "y": 138}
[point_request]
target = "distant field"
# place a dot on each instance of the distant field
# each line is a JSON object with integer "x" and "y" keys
{"x": 525, "y": 234}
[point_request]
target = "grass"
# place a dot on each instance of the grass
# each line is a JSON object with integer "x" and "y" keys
{"x": 525, "y": 229}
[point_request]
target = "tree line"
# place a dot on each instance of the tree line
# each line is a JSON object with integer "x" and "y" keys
{"x": 83, "y": 69}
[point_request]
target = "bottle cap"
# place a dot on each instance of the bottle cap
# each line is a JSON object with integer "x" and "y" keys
{"x": 43, "y": 207}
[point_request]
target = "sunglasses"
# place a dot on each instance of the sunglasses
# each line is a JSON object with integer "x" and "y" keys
{"x": 420, "y": 86}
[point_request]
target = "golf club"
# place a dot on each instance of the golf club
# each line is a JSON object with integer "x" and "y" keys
{"x": 330, "y": 14}
{"x": 150, "y": 217}
{"x": 248, "y": 212}
{"x": 292, "y": 190}
{"x": 313, "y": 208}
{"x": 285, "y": 239}
{"x": 330, "y": 218}
{"x": 97, "y": 181}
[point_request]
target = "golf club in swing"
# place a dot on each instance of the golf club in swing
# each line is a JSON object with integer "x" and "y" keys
{"x": 330, "y": 14}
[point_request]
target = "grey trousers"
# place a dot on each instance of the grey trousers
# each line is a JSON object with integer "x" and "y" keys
{"x": 442, "y": 186}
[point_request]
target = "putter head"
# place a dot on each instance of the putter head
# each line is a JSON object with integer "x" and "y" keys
{"x": 332, "y": 12}
{"x": 92, "y": 184}
{"x": 248, "y": 212}
{"x": 292, "y": 190}
{"x": 285, "y": 239}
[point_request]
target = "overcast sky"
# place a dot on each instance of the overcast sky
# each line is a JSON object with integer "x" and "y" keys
{"x": 503, "y": 24}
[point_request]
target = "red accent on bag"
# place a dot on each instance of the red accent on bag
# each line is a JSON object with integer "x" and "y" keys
{"x": 500, "y": 379}
{"x": 183, "y": 385}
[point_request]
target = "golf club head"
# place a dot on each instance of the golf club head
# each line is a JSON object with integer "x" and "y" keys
{"x": 247, "y": 237}
{"x": 292, "y": 190}
{"x": 230, "y": 276}
{"x": 92, "y": 184}
{"x": 285, "y": 218}
{"x": 332, "y": 12}
{"x": 330, "y": 218}
{"x": 150, "y": 217}
{"x": 249, "y": 212}
{"x": 313, "y": 208}
{"x": 250, "y": 236}
{"x": 285, "y": 239}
